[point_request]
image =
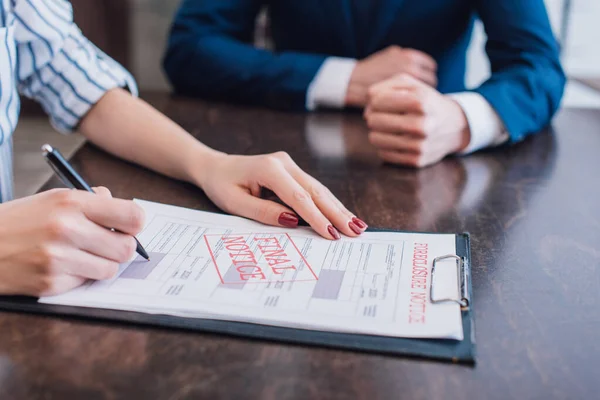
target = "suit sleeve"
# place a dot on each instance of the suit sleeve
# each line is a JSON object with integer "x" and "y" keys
{"x": 210, "y": 54}
{"x": 527, "y": 81}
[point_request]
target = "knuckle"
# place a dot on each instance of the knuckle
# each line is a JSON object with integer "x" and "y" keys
{"x": 59, "y": 228}
{"x": 373, "y": 139}
{"x": 419, "y": 105}
{"x": 372, "y": 92}
{"x": 261, "y": 213}
{"x": 54, "y": 192}
{"x": 136, "y": 218}
{"x": 283, "y": 156}
{"x": 402, "y": 77}
{"x": 419, "y": 127}
{"x": 412, "y": 57}
{"x": 48, "y": 261}
{"x": 126, "y": 249}
{"x": 45, "y": 285}
{"x": 301, "y": 195}
{"x": 420, "y": 161}
{"x": 109, "y": 270}
{"x": 395, "y": 49}
{"x": 419, "y": 149}
{"x": 272, "y": 162}
{"x": 317, "y": 191}
{"x": 68, "y": 199}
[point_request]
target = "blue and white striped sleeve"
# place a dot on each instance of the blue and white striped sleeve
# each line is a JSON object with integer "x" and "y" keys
{"x": 58, "y": 66}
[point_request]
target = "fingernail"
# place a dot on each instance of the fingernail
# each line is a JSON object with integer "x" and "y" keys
{"x": 333, "y": 232}
{"x": 354, "y": 228}
{"x": 288, "y": 220}
{"x": 360, "y": 223}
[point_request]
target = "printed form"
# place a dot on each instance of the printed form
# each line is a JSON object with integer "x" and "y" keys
{"x": 206, "y": 265}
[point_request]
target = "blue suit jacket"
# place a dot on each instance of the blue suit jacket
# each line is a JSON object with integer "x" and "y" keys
{"x": 210, "y": 52}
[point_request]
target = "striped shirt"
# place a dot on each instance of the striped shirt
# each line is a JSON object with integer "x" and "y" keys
{"x": 44, "y": 56}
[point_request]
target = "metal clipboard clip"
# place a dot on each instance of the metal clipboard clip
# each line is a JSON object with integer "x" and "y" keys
{"x": 463, "y": 276}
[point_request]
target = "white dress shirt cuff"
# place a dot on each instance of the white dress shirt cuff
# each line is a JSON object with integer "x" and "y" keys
{"x": 487, "y": 129}
{"x": 329, "y": 87}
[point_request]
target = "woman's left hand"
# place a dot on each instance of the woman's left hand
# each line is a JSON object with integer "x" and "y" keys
{"x": 234, "y": 184}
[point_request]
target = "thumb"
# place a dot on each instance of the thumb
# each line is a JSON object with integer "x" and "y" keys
{"x": 266, "y": 211}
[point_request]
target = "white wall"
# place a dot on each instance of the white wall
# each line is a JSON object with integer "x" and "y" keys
{"x": 151, "y": 22}
{"x": 581, "y": 57}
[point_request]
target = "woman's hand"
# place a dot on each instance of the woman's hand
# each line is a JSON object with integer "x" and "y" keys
{"x": 54, "y": 241}
{"x": 234, "y": 184}
{"x": 120, "y": 123}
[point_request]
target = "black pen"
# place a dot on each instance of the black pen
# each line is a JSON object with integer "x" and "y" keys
{"x": 73, "y": 180}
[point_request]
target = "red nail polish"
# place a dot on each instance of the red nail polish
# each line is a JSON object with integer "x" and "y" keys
{"x": 360, "y": 223}
{"x": 354, "y": 228}
{"x": 288, "y": 220}
{"x": 333, "y": 232}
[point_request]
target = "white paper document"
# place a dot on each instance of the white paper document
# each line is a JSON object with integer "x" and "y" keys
{"x": 205, "y": 265}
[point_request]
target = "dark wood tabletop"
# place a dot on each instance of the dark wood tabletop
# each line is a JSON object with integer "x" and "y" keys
{"x": 533, "y": 211}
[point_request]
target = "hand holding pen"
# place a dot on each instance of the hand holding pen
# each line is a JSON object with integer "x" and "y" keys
{"x": 56, "y": 240}
{"x": 73, "y": 180}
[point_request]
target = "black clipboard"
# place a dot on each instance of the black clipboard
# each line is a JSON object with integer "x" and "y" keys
{"x": 437, "y": 349}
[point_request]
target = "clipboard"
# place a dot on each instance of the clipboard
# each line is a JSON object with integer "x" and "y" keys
{"x": 460, "y": 352}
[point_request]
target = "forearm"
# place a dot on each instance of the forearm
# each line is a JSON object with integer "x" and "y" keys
{"x": 241, "y": 73}
{"x": 131, "y": 129}
{"x": 210, "y": 54}
{"x": 527, "y": 82}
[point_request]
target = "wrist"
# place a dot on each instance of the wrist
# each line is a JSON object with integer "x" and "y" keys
{"x": 357, "y": 92}
{"x": 463, "y": 136}
{"x": 201, "y": 164}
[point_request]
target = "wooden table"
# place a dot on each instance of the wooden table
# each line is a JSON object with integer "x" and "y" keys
{"x": 534, "y": 214}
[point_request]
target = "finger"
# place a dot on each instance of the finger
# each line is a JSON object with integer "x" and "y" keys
{"x": 393, "y": 142}
{"x": 422, "y": 59}
{"x": 76, "y": 262}
{"x": 58, "y": 285}
{"x": 101, "y": 242}
{"x": 328, "y": 204}
{"x": 396, "y": 123}
{"x": 406, "y": 159}
{"x": 102, "y": 191}
{"x": 427, "y": 76}
{"x": 401, "y": 81}
{"x": 396, "y": 101}
{"x": 85, "y": 265}
{"x": 266, "y": 211}
{"x": 294, "y": 195}
{"x": 122, "y": 215}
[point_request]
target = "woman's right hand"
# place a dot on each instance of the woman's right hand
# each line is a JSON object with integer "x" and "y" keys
{"x": 234, "y": 184}
{"x": 54, "y": 241}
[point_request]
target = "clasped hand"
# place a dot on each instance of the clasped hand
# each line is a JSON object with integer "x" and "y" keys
{"x": 413, "y": 124}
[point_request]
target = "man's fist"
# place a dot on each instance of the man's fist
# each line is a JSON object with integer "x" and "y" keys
{"x": 413, "y": 124}
{"x": 385, "y": 64}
